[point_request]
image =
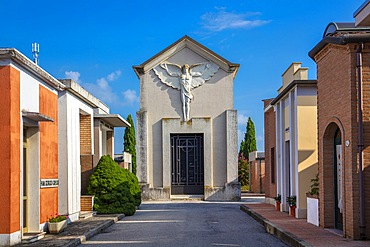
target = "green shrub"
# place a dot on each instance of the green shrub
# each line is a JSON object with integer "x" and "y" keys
{"x": 116, "y": 189}
{"x": 314, "y": 185}
{"x": 243, "y": 170}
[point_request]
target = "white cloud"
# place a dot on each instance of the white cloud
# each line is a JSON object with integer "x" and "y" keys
{"x": 103, "y": 83}
{"x": 130, "y": 97}
{"x": 103, "y": 90}
{"x": 74, "y": 75}
{"x": 221, "y": 20}
{"x": 242, "y": 119}
{"x": 114, "y": 75}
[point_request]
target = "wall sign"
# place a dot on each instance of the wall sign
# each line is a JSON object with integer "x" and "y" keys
{"x": 49, "y": 183}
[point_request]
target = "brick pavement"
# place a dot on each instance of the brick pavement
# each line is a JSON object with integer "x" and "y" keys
{"x": 296, "y": 232}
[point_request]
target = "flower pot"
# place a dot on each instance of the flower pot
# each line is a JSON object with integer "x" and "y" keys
{"x": 292, "y": 210}
{"x": 278, "y": 206}
{"x": 57, "y": 227}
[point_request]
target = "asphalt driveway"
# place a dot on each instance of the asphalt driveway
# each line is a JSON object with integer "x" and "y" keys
{"x": 193, "y": 223}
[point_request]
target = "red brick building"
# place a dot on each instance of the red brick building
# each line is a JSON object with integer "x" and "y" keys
{"x": 270, "y": 143}
{"x": 343, "y": 74}
{"x": 257, "y": 172}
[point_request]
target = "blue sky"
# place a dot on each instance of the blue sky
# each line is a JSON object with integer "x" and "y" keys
{"x": 96, "y": 43}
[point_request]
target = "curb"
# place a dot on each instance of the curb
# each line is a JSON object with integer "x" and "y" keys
{"x": 91, "y": 233}
{"x": 278, "y": 232}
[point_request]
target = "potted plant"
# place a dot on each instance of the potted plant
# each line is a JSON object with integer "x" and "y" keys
{"x": 314, "y": 187}
{"x": 291, "y": 200}
{"x": 277, "y": 201}
{"x": 57, "y": 223}
{"x": 313, "y": 202}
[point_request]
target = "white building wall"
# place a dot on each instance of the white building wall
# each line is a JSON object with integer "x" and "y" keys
{"x": 29, "y": 90}
{"x": 160, "y": 103}
{"x": 103, "y": 139}
{"x": 29, "y": 101}
{"x": 289, "y": 181}
{"x": 69, "y": 152}
{"x": 29, "y": 93}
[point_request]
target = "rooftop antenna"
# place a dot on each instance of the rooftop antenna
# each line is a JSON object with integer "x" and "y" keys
{"x": 35, "y": 52}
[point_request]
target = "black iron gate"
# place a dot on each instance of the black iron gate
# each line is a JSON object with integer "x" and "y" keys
{"x": 187, "y": 164}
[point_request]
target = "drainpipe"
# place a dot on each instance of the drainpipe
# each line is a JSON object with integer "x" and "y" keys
{"x": 360, "y": 138}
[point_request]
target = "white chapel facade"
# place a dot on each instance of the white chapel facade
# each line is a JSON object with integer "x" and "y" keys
{"x": 187, "y": 126}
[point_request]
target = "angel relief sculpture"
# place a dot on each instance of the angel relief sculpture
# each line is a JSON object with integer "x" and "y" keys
{"x": 185, "y": 78}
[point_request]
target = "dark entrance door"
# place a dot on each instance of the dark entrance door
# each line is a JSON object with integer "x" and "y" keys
{"x": 338, "y": 180}
{"x": 187, "y": 164}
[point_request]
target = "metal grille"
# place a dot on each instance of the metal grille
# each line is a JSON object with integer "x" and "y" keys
{"x": 187, "y": 163}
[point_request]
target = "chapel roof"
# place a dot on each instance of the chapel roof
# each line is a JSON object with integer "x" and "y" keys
{"x": 190, "y": 43}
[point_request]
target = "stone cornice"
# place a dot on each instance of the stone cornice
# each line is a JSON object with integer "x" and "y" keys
{"x": 17, "y": 57}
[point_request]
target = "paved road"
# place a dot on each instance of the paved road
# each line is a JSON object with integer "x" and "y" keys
{"x": 185, "y": 224}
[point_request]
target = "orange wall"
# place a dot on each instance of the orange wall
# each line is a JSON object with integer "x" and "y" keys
{"x": 48, "y": 105}
{"x": 9, "y": 149}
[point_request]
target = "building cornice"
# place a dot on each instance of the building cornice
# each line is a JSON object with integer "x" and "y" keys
{"x": 293, "y": 84}
{"x": 186, "y": 41}
{"x": 17, "y": 57}
{"x": 74, "y": 88}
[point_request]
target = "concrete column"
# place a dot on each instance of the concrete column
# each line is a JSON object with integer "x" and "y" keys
{"x": 232, "y": 145}
{"x": 142, "y": 147}
{"x": 97, "y": 141}
{"x": 33, "y": 177}
{"x": 110, "y": 143}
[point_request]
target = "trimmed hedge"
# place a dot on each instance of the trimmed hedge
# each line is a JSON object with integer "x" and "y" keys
{"x": 116, "y": 189}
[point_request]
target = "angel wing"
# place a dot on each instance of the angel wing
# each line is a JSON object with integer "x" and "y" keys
{"x": 202, "y": 72}
{"x": 169, "y": 74}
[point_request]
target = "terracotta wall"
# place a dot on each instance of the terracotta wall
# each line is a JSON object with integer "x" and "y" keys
{"x": 257, "y": 179}
{"x": 270, "y": 151}
{"x": 85, "y": 134}
{"x": 87, "y": 168}
{"x": 87, "y": 203}
{"x": 337, "y": 107}
{"x": 86, "y": 157}
{"x": 10, "y": 149}
{"x": 48, "y": 152}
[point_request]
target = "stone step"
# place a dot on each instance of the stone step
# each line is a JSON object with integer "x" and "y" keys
{"x": 187, "y": 197}
{"x": 32, "y": 237}
{"x": 86, "y": 214}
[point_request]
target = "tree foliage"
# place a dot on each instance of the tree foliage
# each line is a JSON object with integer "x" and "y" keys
{"x": 250, "y": 143}
{"x": 243, "y": 170}
{"x": 241, "y": 147}
{"x": 129, "y": 142}
{"x": 116, "y": 189}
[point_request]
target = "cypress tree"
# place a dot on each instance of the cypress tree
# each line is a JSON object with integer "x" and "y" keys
{"x": 129, "y": 142}
{"x": 250, "y": 143}
{"x": 241, "y": 147}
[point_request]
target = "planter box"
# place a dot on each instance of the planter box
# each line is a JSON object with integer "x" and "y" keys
{"x": 277, "y": 205}
{"x": 313, "y": 211}
{"x": 55, "y": 228}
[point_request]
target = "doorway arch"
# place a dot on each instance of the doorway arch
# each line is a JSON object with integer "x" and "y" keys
{"x": 331, "y": 178}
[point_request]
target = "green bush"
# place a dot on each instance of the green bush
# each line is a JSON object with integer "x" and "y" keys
{"x": 243, "y": 170}
{"x": 116, "y": 189}
{"x": 314, "y": 185}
